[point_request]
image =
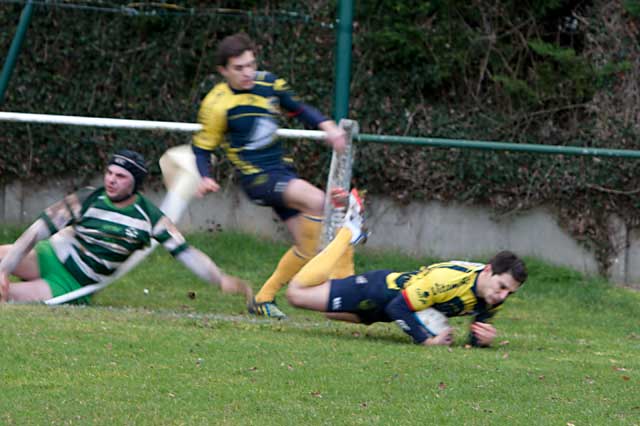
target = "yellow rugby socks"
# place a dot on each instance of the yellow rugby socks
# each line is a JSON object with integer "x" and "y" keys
{"x": 294, "y": 259}
{"x": 288, "y": 266}
{"x": 310, "y": 230}
{"x": 344, "y": 267}
{"x": 318, "y": 270}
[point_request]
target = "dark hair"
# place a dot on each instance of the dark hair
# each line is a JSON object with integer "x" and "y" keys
{"x": 232, "y": 46}
{"x": 506, "y": 261}
{"x": 133, "y": 162}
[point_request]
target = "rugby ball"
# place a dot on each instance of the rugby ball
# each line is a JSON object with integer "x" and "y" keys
{"x": 433, "y": 320}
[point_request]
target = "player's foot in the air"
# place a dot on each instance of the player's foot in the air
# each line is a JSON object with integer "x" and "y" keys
{"x": 354, "y": 219}
{"x": 266, "y": 309}
{"x": 340, "y": 198}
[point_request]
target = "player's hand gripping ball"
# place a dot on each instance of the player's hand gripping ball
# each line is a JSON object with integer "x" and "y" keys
{"x": 433, "y": 320}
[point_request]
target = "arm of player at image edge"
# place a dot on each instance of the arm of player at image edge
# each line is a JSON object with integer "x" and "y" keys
{"x": 202, "y": 266}
{"x": 444, "y": 336}
{"x": 409, "y": 321}
{"x": 336, "y": 136}
{"x": 482, "y": 334}
{"x": 203, "y": 162}
{"x": 19, "y": 249}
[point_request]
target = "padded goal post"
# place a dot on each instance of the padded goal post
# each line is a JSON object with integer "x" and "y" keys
{"x": 339, "y": 177}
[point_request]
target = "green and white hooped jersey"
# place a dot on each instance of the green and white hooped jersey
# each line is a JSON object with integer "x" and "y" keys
{"x": 92, "y": 237}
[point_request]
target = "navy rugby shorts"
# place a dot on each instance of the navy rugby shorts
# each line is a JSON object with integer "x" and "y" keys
{"x": 267, "y": 189}
{"x": 365, "y": 295}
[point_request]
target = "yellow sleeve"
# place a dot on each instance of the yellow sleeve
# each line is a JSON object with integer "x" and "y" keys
{"x": 418, "y": 293}
{"x": 280, "y": 85}
{"x": 213, "y": 117}
{"x": 429, "y": 287}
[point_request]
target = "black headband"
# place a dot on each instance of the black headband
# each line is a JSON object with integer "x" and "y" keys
{"x": 132, "y": 162}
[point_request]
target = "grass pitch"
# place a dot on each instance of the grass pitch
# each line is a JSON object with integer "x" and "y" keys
{"x": 182, "y": 353}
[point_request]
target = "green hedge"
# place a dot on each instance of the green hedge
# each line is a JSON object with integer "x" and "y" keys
{"x": 550, "y": 72}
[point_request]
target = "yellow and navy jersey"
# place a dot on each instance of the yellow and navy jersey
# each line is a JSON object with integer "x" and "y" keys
{"x": 244, "y": 122}
{"x": 449, "y": 287}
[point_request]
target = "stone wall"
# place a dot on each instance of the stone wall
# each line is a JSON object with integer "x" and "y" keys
{"x": 431, "y": 229}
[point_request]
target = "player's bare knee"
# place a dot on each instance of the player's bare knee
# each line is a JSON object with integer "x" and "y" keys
{"x": 317, "y": 204}
{"x": 314, "y": 201}
{"x": 294, "y": 294}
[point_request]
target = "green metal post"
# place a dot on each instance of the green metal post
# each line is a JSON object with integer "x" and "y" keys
{"x": 343, "y": 60}
{"x": 14, "y": 50}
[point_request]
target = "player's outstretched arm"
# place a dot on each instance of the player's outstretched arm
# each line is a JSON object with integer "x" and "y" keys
{"x": 231, "y": 284}
{"x": 202, "y": 265}
{"x": 483, "y": 333}
{"x": 445, "y": 338}
{"x": 206, "y": 185}
{"x": 36, "y": 232}
{"x": 407, "y": 320}
{"x": 336, "y": 137}
{"x": 203, "y": 162}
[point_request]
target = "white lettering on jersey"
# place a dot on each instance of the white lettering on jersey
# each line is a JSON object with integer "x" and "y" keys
{"x": 131, "y": 232}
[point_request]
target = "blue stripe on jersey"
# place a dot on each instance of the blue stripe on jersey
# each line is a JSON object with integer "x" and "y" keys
{"x": 263, "y": 89}
{"x": 474, "y": 287}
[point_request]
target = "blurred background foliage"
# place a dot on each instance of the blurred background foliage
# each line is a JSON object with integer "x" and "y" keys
{"x": 546, "y": 72}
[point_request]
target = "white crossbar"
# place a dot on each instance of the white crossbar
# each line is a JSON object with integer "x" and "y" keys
{"x": 136, "y": 124}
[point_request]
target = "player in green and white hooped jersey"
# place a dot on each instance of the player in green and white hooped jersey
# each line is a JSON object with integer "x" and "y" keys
{"x": 84, "y": 238}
